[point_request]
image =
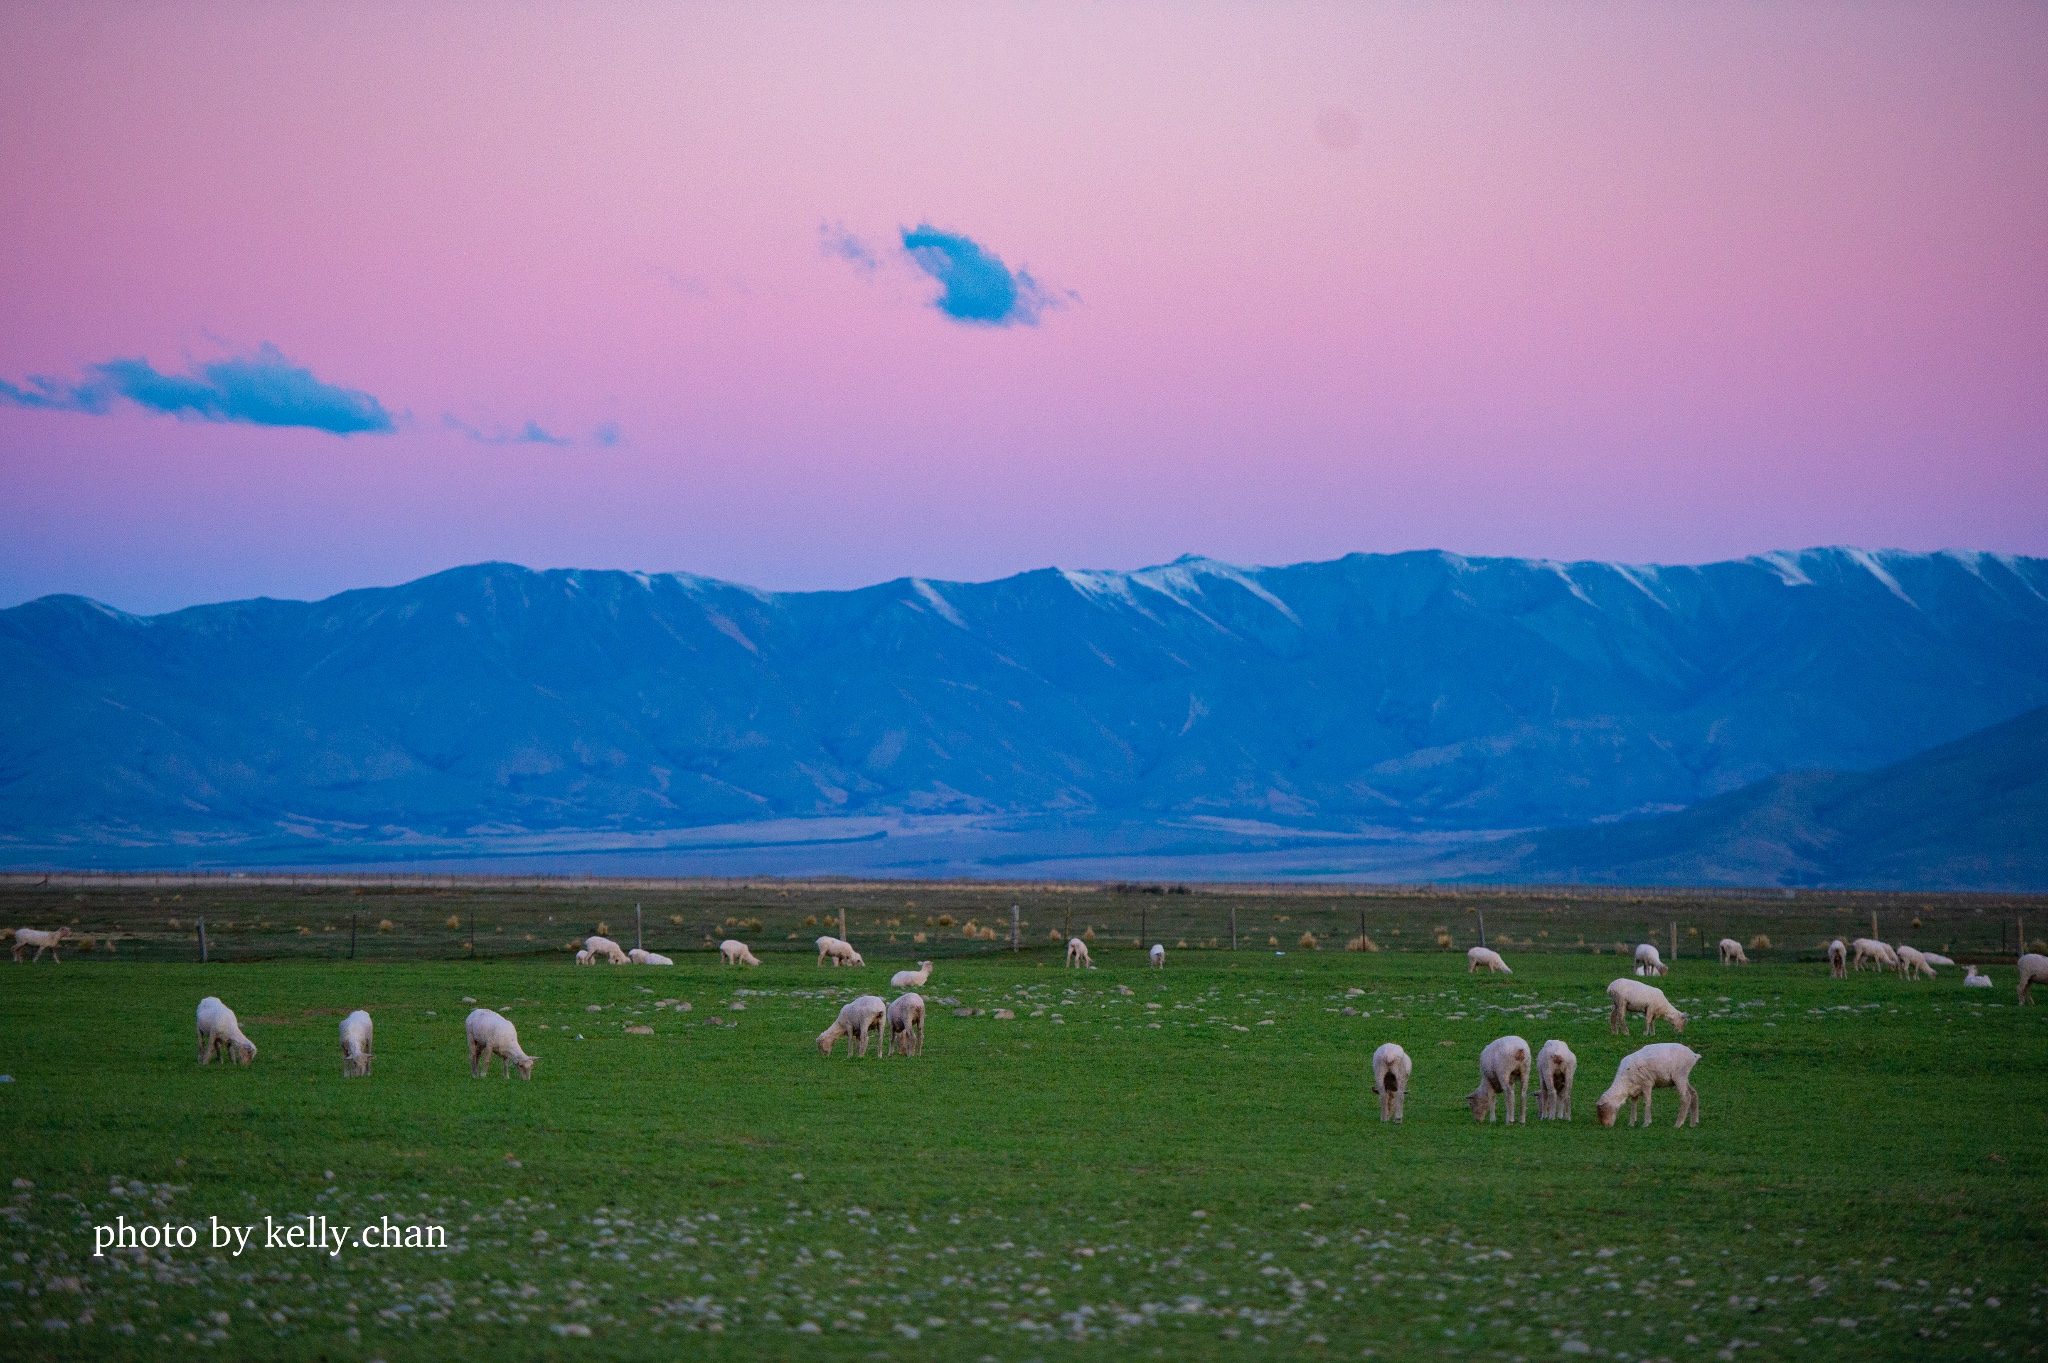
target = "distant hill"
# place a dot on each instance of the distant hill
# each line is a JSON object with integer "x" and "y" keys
{"x": 494, "y": 707}
{"x": 1972, "y": 814}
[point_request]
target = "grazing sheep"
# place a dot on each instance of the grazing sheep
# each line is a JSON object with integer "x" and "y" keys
{"x": 1936, "y": 958}
{"x": 1648, "y": 962}
{"x": 1077, "y": 953}
{"x": 854, "y": 1022}
{"x": 911, "y": 979}
{"x": 906, "y": 1024}
{"x": 1838, "y": 960}
{"x": 1503, "y": 1064}
{"x": 1976, "y": 980}
{"x": 838, "y": 952}
{"x": 1647, "y": 999}
{"x": 1914, "y": 964}
{"x": 24, "y": 938}
{"x": 218, "y": 1032}
{"x": 735, "y": 952}
{"x": 585, "y": 958}
{"x": 355, "y": 1045}
{"x": 1391, "y": 1068}
{"x": 1732, "y": 953}
{"x": 2033, "y": 967}
{"x": 639, "y": 957}
{"x": 492, "y": 1035}
{"x": 1556, "y": 1067}
{"x": 1665, "y": 1065}
{"x": 1481, "y": 956}
{"x": 1158, "y": 954}
{"x": 1870, "y": 949}
{"x": 607, "y": 948}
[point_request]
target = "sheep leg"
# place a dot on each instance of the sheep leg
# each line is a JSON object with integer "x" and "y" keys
{"x": 476, "y": 1053}
{"x": 1617, "y": 1019}
{"x": 205, "y": 1048}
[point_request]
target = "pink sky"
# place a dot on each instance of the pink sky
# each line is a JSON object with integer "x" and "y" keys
{"x": 1663, "y": 284}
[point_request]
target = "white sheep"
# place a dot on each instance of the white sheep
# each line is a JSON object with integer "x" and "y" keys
{"x": 1647, "y": 999}
{"x": 1158, "y": 955}
{"x": 911, "y": 979}
{"x": 1732, "y": 953}
{"x": 1481, "y": 956}
{"x": 1502, "y": 1065}
{"x": 2033, "y": 967}
{"x": 492, "y": 1036}
{"x": 640, "y": 957}
{"x": 1663, "y": 1065}
{"x": 606, "y": 948}
{"x": 1975, "y": 980}
{"x": 735, "y": 952}
{"x": 855, "y": 1021}
{"x": 1870, "y": 949}
{"x": 1648, "y": 962}
{"x": 838, "y": 952}
{"x": 906, "y": 1024}
{"x": 585, "y": 958}
{"x": 218, "y": 1032}
{"x": 1913, "y": 963}
{"x": 1391, "y": 1068}
{"x": 1838, "y": 960}
{"x": 355, "y": 1045}
{"x": 1936, "y": 958}
{"x": 24, "y": 938}
{"x": 1556, "y": 1067}
{"x": 1077, "y": 953}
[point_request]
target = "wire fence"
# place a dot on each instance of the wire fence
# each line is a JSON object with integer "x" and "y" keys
{"x": 379, "y": 917}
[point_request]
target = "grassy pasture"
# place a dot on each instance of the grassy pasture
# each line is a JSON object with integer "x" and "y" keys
{"x": 1869, "y": 1178}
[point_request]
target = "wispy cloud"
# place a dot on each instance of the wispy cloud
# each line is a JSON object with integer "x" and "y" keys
{"x": 977, "y": 288}
{"x": 838, "y": 243}
{"x": 532, "y": 433}
{"x": 263, "y": 389}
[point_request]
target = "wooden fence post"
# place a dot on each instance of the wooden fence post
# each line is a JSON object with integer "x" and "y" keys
{"x": 202, "y": 941}
{"x": 1233, "y": 927}
{"x": 1016, "y": 930}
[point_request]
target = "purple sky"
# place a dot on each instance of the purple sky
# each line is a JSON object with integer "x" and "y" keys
{"x": 305, "y": 298}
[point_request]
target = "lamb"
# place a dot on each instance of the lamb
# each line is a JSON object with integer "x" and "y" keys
{"x": 1481, "y": 956}
{"x": 906, "y": 1024}
{"x": 605, "y": 947}
{"x": 1914, "y": 964}
{"x": 838, "y": 952}
{"x": 1158, "y": 955}
{"x": 1556, "y": 1067}
{"x": 1663, "y": 1065}
{"x": 1838, "y": 960}
{"x": 911, "y": 979}
{"x": 1630, "y": 997}
{"x": 735, "y": 952}
{"x": 2033, "y": 968}
{"x": 1503, "y": 1064}
{"x": 1391, "y": 1068}
{"x": 1732, "y": 953}
{"x": 854, "y": 1022}
{"x": 1077, "y": 953}
{"x": 218, "y": 1032}
{"x": 585, "y": 958}
{"x": 1936, "y": 958}
{"x": 639, "y": 957}
{"x": 492, "y": 1035}
{"x": 1648, "y": 962}
{"x": 1870, "y": 949}
{"x": 355, "y": 1045}
{"x": 1974, "y": 980}
{"x": 24, "y": 938}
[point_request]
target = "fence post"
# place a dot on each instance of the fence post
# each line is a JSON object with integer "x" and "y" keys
{"x": 1361, "y": 921}
{"x": 202, "y": 941}
{"x": 1873, "y": 926}
{"x": 1674, "y": 941}
{"x": 1070, "y": 918}
{"x": 1233, "y": 927}
{"x": 472, "y": 934}
{"x": 1016, "y": 927}
{"x": 842, "y": 924}
{"x": 1482, "y": 925}
{"x": 1141, "y": 924}
{"x": 636, "y": 928}
{"x": 352, "y": 936}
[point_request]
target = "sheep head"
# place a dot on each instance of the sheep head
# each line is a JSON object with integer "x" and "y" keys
{"x": 524, "y": 1064}
{"x": 242, "y": 1051}
{"x": 1605, "y": 1109}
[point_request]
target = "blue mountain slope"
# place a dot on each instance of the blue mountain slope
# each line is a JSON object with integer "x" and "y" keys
{"x": 1415, "y": 691}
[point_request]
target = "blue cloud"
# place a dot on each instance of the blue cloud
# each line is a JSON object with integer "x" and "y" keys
{"x": 532, "y": 433}
{"x": 263, "y": 389}
{"x": 840, "y": 244}
{"x": 978, "y": 288}
{"x": 607, "y": 434}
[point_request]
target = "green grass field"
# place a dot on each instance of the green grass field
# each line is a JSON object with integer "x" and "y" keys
{"x": 1190, "y": 1169}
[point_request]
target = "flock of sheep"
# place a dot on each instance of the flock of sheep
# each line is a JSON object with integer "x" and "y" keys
{"x": 898, "y": 1025}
